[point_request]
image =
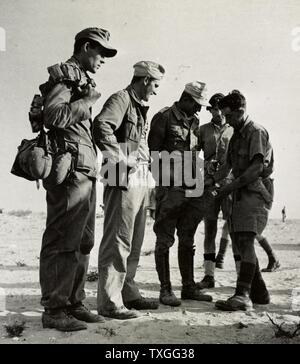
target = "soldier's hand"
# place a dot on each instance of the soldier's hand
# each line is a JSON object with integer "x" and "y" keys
{"x": 209, "y": 182}
{"x": 91, "y": 95}
{"x": 223, "y": 191}
{"x": 132, "y": 160}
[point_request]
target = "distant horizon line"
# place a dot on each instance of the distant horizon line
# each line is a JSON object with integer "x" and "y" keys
{"x": 27, "y": 212}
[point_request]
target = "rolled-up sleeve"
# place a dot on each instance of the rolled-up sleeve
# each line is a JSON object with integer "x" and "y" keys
{"x": 59, "y": 112}
{"x": 258, "y": 144}
{"x": 105, "y": 125}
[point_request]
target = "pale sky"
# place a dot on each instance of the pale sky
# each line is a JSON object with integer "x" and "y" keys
{"x": 236, "y": 44}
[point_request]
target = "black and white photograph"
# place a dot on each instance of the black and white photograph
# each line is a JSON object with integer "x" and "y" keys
{"x": 149, "y": 180}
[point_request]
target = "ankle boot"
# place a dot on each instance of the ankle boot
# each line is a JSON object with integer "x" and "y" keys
{"x": 240, "y": 301}
{"x": 209, "y": 270}
{"x": 167, "y": 296}
{"x": 207, "y": 282}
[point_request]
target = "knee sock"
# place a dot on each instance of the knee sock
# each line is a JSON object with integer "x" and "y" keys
{"x": 245, "y": 277}
{"x": 209, "y": 264}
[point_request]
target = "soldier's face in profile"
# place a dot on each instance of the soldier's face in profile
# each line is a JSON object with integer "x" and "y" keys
{"x": 93, "y": 59}
{"x": 150, "y": 88}
{"x": 233, "y": 118}
{"x": 194, "y": 108}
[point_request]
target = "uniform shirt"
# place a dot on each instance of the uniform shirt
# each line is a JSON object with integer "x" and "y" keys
{"x": 251, "y": 140}
{"x": 69, "y": 118}
{"x": 172, "y": 130}
{"x": 249, "y": 209}
{"x": 214, "y": 140}
{"x": 122, "y": 120}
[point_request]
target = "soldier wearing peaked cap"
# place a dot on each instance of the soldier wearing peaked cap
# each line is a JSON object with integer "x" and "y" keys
{"x": 172, "y": 132}
{"x": 120, "y": 133}
{"x": 69, "y": 235}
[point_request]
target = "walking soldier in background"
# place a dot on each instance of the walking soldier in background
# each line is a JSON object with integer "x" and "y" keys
{"x": 69, "y": 235}
{"x": 273, "y": 262}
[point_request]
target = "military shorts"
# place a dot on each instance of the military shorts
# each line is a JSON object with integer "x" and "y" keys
{"x": 249, "y": 212}
{"x": 212, "y": 206}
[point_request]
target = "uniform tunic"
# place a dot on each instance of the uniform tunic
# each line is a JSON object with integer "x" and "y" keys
{"x": 171, "y": 130}
{"x": 120, "y": 129}
{"x": 250, "y": 209}
{"x": 69, "y": 234}
{"x": 214, "y": 141}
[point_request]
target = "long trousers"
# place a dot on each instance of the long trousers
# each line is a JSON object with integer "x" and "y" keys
{"x": 67, "y": 241}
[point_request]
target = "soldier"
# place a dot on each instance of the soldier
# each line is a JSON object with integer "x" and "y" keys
{"x": 120, "y": 132}
{"x": 213, "y": 139}
{"x": 250, "y": 156}
{"x": 172, "y": 131}
{"x": 283, "y": 213}
{"x": 69, "y": 235}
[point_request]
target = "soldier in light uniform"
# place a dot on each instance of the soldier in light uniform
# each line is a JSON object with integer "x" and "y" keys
{"x": 213, "y": 139}
{"x": 172, "y": 131}
{"x": 69, "y": 235}
{"x": 250, "y": 156}
{"x": 120, "y": 132}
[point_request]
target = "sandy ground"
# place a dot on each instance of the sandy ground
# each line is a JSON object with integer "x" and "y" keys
{"x": 191, "y": 323}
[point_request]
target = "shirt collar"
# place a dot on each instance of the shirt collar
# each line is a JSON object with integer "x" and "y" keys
{"x": 73, "y": 59}
{"x": 133, "y": 94}
{"x": 180, "y": 115}
{"x": 143, "y": 108}
{"x": 219, "y": 127}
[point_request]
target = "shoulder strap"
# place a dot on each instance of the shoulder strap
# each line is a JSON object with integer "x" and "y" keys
{"x": 164, "y": 109}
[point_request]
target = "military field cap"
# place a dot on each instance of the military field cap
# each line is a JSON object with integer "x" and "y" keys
{"x": 198, "y": 91}
{"x": 100, "y": 36}
{"x": 214, "y": 100}
{"x": 149, "y": 68}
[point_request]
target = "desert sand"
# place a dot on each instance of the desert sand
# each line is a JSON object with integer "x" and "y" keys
{"x": 191, "y": 323}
